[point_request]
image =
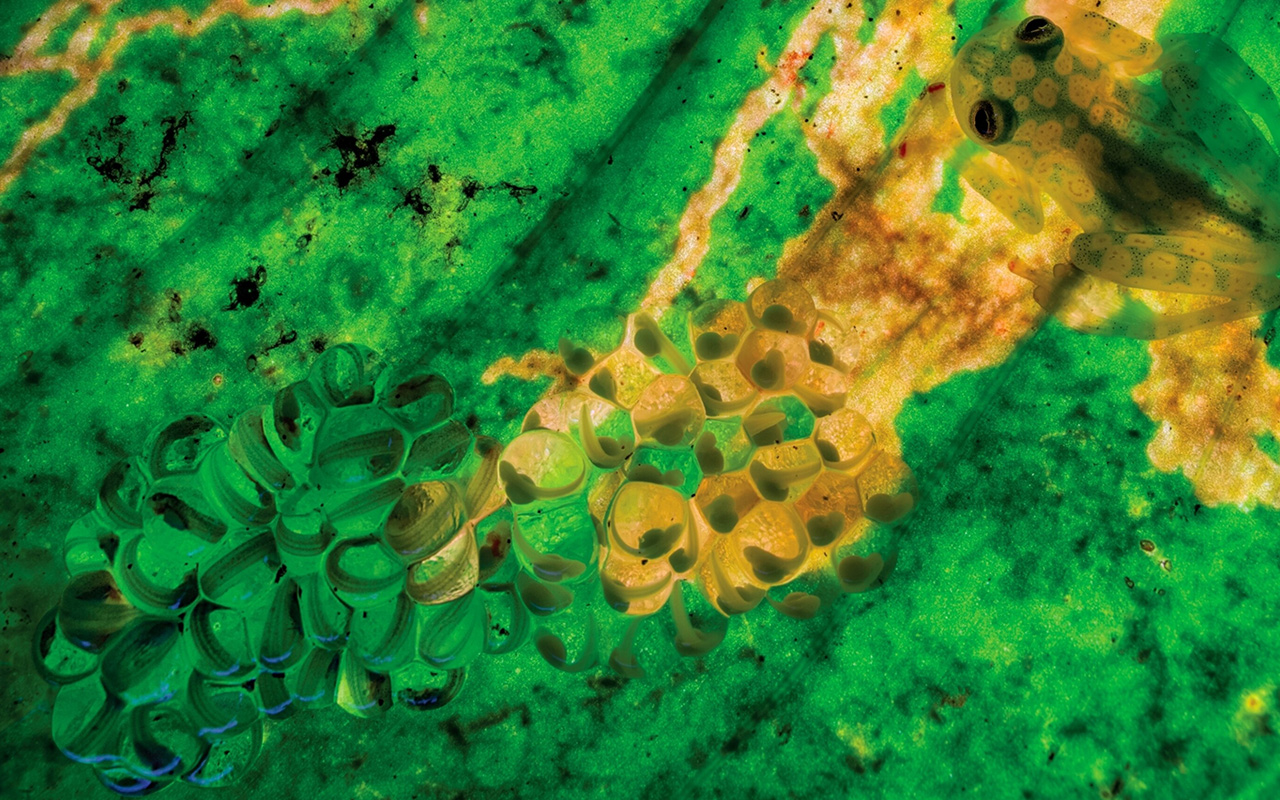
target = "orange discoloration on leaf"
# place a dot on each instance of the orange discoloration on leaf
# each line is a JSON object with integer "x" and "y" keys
{"x": 1212, "y": 394}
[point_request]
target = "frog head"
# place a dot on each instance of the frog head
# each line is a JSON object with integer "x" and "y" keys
{"x": 997, "y": 73}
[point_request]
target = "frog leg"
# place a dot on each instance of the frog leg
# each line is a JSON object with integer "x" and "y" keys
{"x": 1215, "y": 92}
{"x": 1130, "y": 52}
{"x": 1162, "y": 326}
{"x": 1180, "y": 265}
{"x": 1123, "y": 251}
{"x": 1172, "y": 263}
{"x": 1003, "y": 185}
{"x": 1088, "y": 304}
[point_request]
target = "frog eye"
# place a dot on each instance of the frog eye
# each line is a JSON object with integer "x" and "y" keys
{"x": 990, "y": 121}
{"x": 1037, "y": 30}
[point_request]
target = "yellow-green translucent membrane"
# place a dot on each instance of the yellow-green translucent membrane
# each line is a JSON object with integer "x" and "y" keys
{"x": 143, "y": 663}
{"x": 772, "y": 360}
{"x": 669, "y": 412}
{"x": 220, "y": 643}
{"x": 437, "y": 453}
{"x": 121, "y": 495}
{"x": 578, "y": 360}
{"x": 177, "y": 515}
{"x": 777, "y": 420}
{"x": 731, "y": 442}
{"x": 362, "y": 573}
{"x": 357, "y": 446}
{"x": 767, "y": 547}
{"x": 176, "y": 447}
{"x": 797, "y": 605}
{"x": 383, "y": 637}
{"x": 451, "y": 635}
{"x": 623, "y": 658}
{"x": 56, "y": 658}
{"x": 645, "y": 646}
{"x": 829, "y": 507}
{"x": 296, "y": 415}
{"x": 542, "y": 598}
{"x": 633, "y": 585}
{"x": 782, "y": 472}
{"x": 690, "y": 640}
{"x": 610, "y": 441}
{"x": 154, "y": 578}
{"x": 345, "y": 375}
{"x": 678, "y": 468}
{"x": 716, "y": 329}
{"x": 864, "y": 555}
{"x": 653, "y": 344}
{"x": 249, "y": 446}
{"x": 888, "y": 489}
{"x": 417, "y": 400}
{"x": 723, "y": 388}
{"x": 557, "y": 542}
{"x": 237, "y": 498}
{"x": 423, "y": 519}
{"x": 89, "y": 546}
{"x": 648, "y": 520}
{"x": 362, "y": 693}
{"x": 448, "y": 573}
{"x": 782, "y": 305}
{"x": 651, "y": 537}
{"x": 844, "y": 439}
{"x": 823, "y": 389}
{"x": 723, "y": 500}
{"x": 542, "y": 465}
{"x": 620, "y": 376}
{"x": 730, "y": 591}
{"x": 93, "y": 609}
{"x": 563, "y": 411}
{"x": 770, "y": 544}
{"x": 600, "y": 496}
{"x": 570, "y": 641}
{"x": 509, "y": 621}
{"x": 423, "y": 688}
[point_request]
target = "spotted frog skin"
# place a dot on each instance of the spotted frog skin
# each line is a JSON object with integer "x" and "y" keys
{"x": 1172, "y": 182}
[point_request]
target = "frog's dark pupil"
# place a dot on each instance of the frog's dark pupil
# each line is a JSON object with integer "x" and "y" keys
{"x": 1034, "y": 28}
{"x": 984, "y": 119}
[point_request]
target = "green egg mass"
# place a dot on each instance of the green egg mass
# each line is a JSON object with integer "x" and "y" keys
{"x": 323, "y": 550}
{"x": 341, "y": 546}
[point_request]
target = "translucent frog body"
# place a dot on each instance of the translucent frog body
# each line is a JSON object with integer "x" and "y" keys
{"x": 1173, "y": 181}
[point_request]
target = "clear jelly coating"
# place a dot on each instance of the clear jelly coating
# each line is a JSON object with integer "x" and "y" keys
{"x": 701, "y": 476}
{"x": 347, "y": 544}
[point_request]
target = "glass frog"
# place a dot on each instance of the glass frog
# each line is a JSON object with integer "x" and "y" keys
{"x": 1172, "y": 181}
